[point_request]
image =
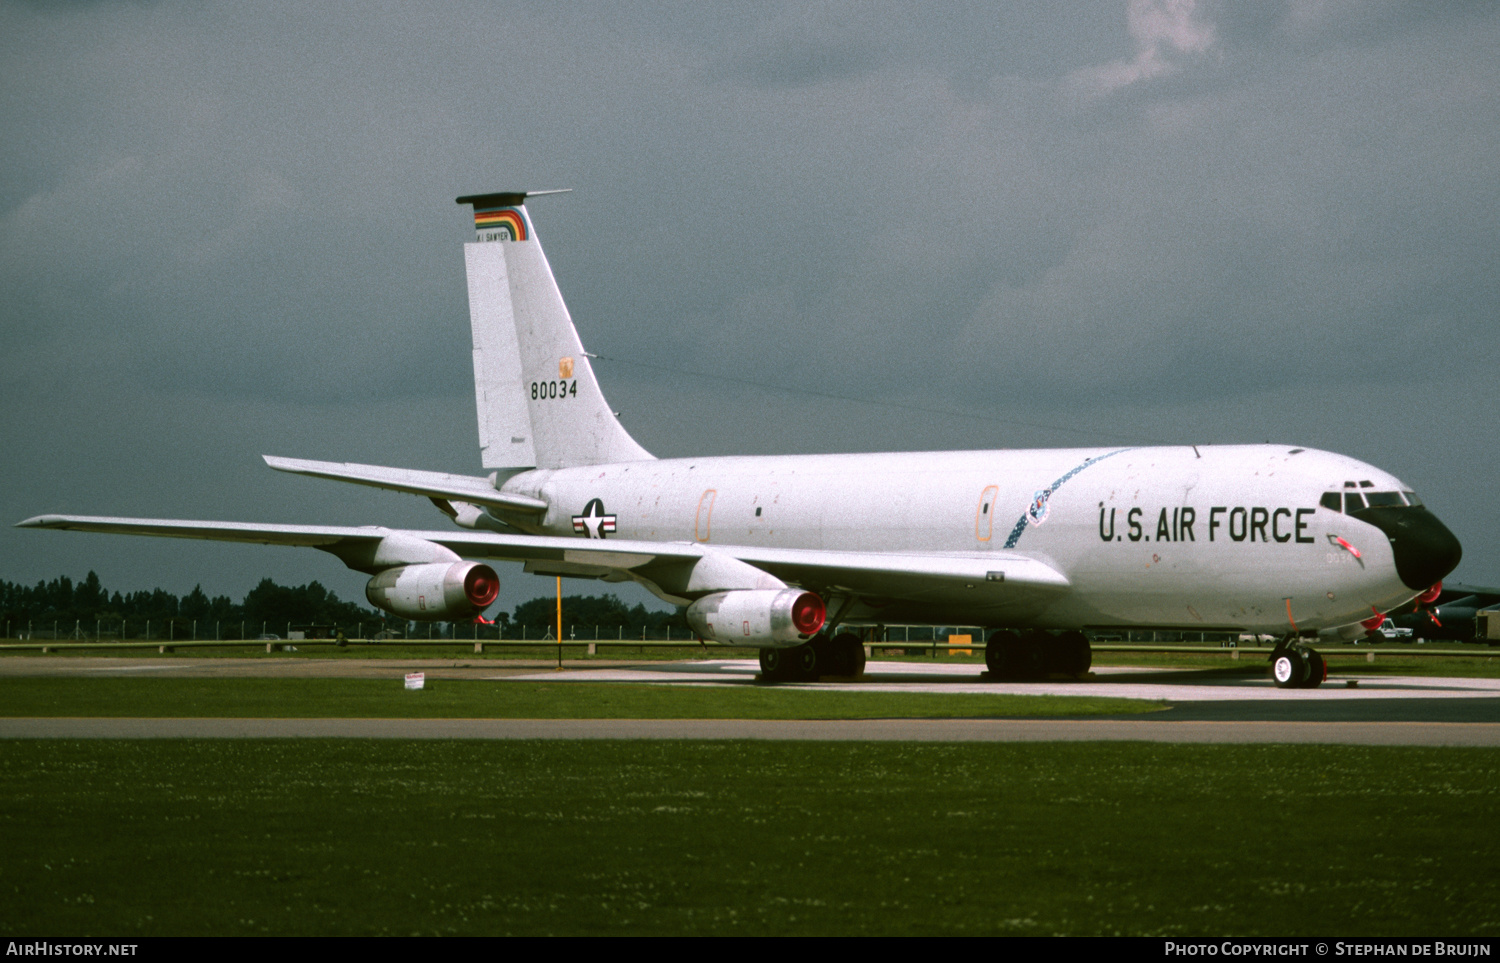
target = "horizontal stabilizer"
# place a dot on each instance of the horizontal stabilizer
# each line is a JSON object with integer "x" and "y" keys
{"x": 433, "y": 484}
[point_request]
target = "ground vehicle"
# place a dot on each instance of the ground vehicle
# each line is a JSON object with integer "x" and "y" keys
{"x": 1391, "y": 632}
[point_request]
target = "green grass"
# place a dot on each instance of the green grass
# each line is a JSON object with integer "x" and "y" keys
{"x": 233, "y": 837}
{"x": 484, "y": 699}
{"x": 1388, "y": 662}
{"x": 397, "y": 650}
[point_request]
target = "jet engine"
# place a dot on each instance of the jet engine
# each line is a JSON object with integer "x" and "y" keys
{"x": 764, "y": 618}
{"x": 435, "y": 591}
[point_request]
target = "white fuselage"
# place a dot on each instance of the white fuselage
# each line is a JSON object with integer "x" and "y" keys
{"x": 1181, "y": 537}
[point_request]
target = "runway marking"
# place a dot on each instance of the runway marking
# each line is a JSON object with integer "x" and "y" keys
{"x": 165, "y": 667}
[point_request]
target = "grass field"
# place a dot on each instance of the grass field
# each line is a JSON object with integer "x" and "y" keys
{"x": 226, "y": 837}
{"x": 355, "y": 837}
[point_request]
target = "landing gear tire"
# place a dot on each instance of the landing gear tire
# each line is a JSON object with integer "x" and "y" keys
{"x": 842, "y": 655}
{"x": 1317, "y": 669}
{"x": 806, "y": 661}
{"x": 1032, "y": 655}
{"x": 845, "y": 655}
{"x": 1001, "y": 655}
{"x": 787, "y": 665}
{"x": 1070, "y": 654}
{"x": 857, "y": 659}
{"x": 1290, "y": 668}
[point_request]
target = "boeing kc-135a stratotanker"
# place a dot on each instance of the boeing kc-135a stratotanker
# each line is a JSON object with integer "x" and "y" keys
{"x": 787, "y": 553}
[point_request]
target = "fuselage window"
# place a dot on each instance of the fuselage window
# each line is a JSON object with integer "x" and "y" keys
{"x": 1332, "y": 501}
{"x": 1385, "y": 500}
{"x": 1353, "y": 502}
{"x": 1412, "y": 499}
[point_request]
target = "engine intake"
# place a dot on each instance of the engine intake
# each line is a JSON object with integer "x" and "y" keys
{"x": 435, "y": 591}
{"x": 765, "y": 618}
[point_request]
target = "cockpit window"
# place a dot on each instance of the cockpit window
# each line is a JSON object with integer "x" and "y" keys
{"x": 1352, "y": 501}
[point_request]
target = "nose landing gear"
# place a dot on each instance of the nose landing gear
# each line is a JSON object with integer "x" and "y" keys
{"x": 1295, "y": 666}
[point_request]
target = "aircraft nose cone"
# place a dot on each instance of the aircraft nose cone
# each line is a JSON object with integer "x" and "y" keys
{"x": 1424, "y": 548}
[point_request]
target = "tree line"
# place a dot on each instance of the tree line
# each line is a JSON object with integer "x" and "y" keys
{"x": 65, "y": 606}
{"x": 583, "y": 615}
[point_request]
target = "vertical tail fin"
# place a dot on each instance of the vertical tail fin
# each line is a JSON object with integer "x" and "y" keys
{"x": 505, "y": 437}
{"x": 539, "y": 402}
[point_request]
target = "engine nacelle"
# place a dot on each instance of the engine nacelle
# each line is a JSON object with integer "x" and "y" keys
{"x": 435, "y": 591}
{"x": 764, "y": 618}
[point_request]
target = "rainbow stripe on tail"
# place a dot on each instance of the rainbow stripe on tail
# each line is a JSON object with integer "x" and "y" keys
{"x": 506, "y": 223}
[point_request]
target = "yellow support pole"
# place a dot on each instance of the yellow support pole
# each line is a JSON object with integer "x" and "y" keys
{"x": 559, "y": 623}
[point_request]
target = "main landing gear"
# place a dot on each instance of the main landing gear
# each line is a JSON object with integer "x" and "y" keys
{"x": 1296, "y": 666}
{"x": 1036, "y": 655}
{"x": 839, "y": 655}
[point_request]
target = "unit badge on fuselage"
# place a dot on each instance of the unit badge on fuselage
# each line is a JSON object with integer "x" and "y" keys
{"x": 593, "y": 522}
{"x": 1039, "y": 508}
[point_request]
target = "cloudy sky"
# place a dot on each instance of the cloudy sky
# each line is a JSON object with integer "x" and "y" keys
{"x": 228, "y": 229}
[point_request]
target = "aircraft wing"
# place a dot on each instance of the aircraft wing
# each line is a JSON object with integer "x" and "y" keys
{"x": 869, "y": 574}
{"x": 351, "y": 542}
{"x": 1452, "y": 591}
{"x": 433, "y": 484}
{"x": 306, "y": 536}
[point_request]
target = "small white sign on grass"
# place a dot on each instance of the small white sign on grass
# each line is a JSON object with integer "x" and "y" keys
{"x": 416, "y": 680}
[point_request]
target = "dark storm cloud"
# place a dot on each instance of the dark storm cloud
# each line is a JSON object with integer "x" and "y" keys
{"x": 230, "y": 229}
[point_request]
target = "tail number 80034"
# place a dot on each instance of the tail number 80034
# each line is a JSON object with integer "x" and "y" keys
{"x": 542, "y": 390}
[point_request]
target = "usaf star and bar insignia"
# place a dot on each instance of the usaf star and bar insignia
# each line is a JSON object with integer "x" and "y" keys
{"x": 593, "y": 522}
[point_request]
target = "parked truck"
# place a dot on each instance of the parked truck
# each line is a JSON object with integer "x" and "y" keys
{"x": 1391, "y": 632}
